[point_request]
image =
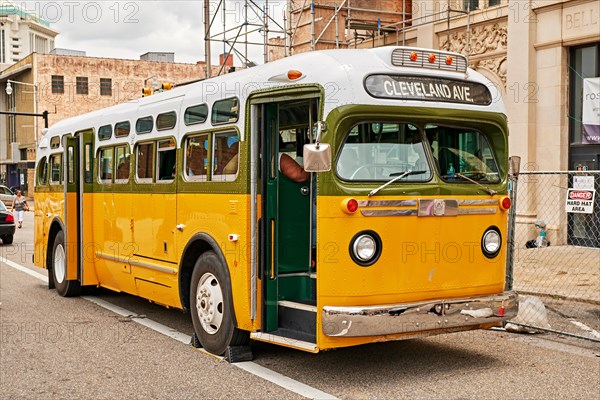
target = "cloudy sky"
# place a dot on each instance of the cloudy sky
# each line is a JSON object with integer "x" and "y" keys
{"x": 127, "y": 29}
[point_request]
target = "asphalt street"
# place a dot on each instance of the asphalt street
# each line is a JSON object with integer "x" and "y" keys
{"x": 54, "y": 347}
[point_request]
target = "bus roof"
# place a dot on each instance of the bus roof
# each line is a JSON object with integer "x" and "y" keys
{"x": 341, "y": 73}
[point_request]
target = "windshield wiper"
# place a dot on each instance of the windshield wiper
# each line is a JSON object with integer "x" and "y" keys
{"x": 402, "y": 175}
{"x": 487, "y": 189}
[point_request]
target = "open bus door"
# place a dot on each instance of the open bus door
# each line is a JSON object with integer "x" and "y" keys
{"x": 288, "y": 280}
{"x": 78, "y": 153}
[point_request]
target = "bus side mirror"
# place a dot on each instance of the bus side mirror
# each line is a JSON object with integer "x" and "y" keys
{"x": 317, "y": 156}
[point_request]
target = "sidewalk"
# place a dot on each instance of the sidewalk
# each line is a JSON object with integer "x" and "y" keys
{"x": 567, "y": 271}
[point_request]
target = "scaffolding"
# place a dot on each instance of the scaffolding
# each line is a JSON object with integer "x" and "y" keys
{"x": 253, "y": 26}
{"x": 308, "y": 25}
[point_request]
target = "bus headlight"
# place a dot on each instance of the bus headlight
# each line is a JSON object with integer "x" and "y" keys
{"x": 491, "y": 242}
{"x": 365, "y": 248}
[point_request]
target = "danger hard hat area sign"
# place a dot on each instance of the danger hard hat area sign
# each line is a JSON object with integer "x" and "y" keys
{"x": 580, "y": 201}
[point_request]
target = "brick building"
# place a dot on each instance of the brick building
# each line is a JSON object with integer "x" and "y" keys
{"x": 67, "y": 86}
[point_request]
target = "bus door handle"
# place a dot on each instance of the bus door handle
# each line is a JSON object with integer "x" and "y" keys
{"x": 304, "y": 190}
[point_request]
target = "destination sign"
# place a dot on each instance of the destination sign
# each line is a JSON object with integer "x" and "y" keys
{"x": 428, "y": 89}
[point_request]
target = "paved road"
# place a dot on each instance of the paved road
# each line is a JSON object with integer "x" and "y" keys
{"x": 52, "y": 347}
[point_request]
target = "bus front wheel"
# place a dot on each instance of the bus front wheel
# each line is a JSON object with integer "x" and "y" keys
{"x": 212, "y": 306}
{"x": 64, "y": 287}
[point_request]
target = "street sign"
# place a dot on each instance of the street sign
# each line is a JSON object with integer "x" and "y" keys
{"x": 580, "y": 201}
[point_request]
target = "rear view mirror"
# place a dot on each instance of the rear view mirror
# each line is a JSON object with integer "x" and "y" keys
{"x": 317, "y": 156}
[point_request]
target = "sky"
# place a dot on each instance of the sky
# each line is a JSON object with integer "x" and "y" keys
{"x": 128, "y": 29}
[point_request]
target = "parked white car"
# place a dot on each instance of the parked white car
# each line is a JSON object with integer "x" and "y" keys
{"x": 6, "y": 196}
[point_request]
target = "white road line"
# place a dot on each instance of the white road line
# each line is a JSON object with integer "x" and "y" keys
{"x": 283, "y": 381}
{"x": 28, "y": 271}
{"x": 251, "y": 367}
{"x": 586, "y": 328}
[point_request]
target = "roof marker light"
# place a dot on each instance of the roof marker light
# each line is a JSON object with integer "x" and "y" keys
{"x": 449, "y": 60}
{"x": 294, "y": 74}
{"x": 432, "y": 58}
{"x": 414, "y": 56}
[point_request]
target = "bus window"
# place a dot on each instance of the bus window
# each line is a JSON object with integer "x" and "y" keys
{"x": 105, "y": 132}
{"x": 464, "y": 151}
{"x": 166, "y": 160}
{"x": 144, "y": 125}
{"x": 225, "y": 156}
{"x": 380, "y": 151}
{"x": 196, "y": 159}
{"x": 122, "y": 164}
{"x": 105, "y": 165}
{"x": 195, "y": 114}
{"x": 224, "y": 111}
{"x": 42, "y": 172}
{"x": 122, "y": 129}
{"x": 145, "y": 162}
{"x": 166, "y": 121}
{"x": 56, "y": 169}
{"x": 70, "y": 165}
{"x": 87, "y": 163}
{"x": 55, "y": 142}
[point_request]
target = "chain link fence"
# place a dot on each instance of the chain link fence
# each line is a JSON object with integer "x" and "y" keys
{"x": 555, "y": 260}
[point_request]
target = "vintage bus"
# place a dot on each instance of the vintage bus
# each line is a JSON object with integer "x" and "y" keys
{"x": 399, "y": 231}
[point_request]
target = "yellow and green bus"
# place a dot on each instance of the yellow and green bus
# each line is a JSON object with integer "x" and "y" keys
{"x": 399, "y": 231}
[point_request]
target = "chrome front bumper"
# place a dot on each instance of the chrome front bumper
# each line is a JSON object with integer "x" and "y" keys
{"x": 417, "y": 317}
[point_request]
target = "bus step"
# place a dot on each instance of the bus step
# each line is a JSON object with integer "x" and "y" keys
{"x": 298, "y": 320}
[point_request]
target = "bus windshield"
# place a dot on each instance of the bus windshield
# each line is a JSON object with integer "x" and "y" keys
{"x": 379, "y": 151}
{"x": 462, "y": 152}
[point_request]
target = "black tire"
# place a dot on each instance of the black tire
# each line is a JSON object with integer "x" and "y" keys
{"x": 7, "y": 239}
{"x": 215, "y": 331}
{"x": 64, "y": 287}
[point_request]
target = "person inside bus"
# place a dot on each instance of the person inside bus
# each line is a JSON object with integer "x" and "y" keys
{"x": 291, "y": 169}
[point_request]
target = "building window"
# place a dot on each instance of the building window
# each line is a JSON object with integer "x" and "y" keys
{"x": 105, "y": 87}
{"x": 82, "y": 85}
{"x": 2, "y": 47}
{"x": 470, "y": 5}
{"x": 58, "y": 84}
{"x": 492, "y": 3}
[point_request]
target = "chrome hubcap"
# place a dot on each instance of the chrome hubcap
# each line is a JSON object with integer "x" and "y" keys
{"x": 60, "y": 269}
{"x": 209, "y": 303}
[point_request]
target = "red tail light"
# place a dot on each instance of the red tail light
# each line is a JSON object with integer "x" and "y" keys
{"x": 10, "y": 218}
{"x": 505, "y": 203}
{"x": 349, "y": 206}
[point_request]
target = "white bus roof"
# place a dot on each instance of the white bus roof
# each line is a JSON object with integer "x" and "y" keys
{"x": 341, "y": 73}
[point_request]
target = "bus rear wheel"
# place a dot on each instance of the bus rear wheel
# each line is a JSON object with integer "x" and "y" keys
{"x": 64, "y": 287}
{"x": 212, "y": 306}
